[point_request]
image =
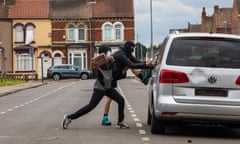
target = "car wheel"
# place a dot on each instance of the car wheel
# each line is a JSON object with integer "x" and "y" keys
{"x": 56, "y": 77}
{"x": 158, "y": 126}
{"x": 84, "y": 76}
{"x": 149, "y": 117}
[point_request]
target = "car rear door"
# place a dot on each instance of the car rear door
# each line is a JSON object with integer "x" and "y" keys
{"x": 72, "y": 71}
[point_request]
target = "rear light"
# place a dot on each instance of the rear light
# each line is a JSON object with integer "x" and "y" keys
{"x": 238, "y": 81}
{"x": 169, "y": 76}
{"x": 49, "y": 71}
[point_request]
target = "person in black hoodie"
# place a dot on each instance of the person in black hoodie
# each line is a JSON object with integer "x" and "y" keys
{"x": 124, "y": 60}
{"x": 102, "y": 87}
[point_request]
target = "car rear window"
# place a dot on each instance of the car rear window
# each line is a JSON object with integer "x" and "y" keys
{"x": 205, "y": 52}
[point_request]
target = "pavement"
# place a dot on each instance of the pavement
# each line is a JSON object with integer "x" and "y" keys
{"x": 5, "y": 90}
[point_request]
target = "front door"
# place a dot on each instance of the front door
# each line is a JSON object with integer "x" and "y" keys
{"x": 47, "y": 62}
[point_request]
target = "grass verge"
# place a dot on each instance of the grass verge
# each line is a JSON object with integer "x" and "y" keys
{"x": 5, "y": 82}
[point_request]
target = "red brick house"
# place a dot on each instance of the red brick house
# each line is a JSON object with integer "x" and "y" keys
{"x": 236, "y": 17}
{"x": 79, "y": 28}
{"x": 63, "y": 31}
{"x": 219, "y": 22}
{"x": 223, "y": 20}
{"x": 6, "y": 56}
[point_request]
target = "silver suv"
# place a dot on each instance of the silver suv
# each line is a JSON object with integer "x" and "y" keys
{"x": 196, "y": 80}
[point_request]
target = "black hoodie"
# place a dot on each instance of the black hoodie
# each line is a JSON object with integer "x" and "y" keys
{"x": 124, "y": 58}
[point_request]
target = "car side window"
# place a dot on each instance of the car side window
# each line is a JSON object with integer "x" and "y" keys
{"x": 64, "y": 67}
{"x": 58, "y": 67}
{"x": 161, "y": 51}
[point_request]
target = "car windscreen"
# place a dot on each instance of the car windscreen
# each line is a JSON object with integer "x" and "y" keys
{"x": 205, "y": 52}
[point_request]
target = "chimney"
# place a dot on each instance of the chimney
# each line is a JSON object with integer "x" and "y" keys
{"x": 216, "y": 9}
{"x": 203, "y": 12}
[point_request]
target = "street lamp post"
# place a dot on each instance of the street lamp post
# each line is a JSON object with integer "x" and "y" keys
{"x": 225, "y": 26}
{"x": 42, "y": 55}
{"x": 32, "y": 56}
{"x": 151, "y": 25}
{"x": 1, "y": 50}
{"x": 90, "y": 3}
{"x": 1, "y": 60}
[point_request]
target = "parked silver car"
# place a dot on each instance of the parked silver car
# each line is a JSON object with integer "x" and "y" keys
{"x": 196, "y": 80}
{"x": 58, "y": 72}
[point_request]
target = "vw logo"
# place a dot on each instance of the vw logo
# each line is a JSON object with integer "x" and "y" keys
{"x": 212, "y": 79}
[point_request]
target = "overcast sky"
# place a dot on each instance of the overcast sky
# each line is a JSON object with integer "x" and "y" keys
{"x": 170, "y": 14}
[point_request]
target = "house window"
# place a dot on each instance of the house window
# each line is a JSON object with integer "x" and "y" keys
{"x": 24, "y": 33}
{"x": 24, "y": 62}
{"x": 113, "y": 31}
{"x": 78, "y": 59}
{"x": 76, "y": 33}
{"x": 19, "y": 33}
{"x": 57, "y": 59}
{"x": 107, "y": 32}
{"x": 70, "y": 32}
{"x": 29, "y": 34}
{"x": 81, "y": 32}
{"x": 118, "y": 32}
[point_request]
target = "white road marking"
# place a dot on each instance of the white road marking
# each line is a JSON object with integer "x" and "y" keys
{"x": 9, "y": 110}
{"x": 132, "y": 111}
{"x": 16, "y": 107}
{"x": 145, "y": 139}
{"x": 35, "y": 99}
{"x": 139, "y": 125}
{"x": 134, "y": 116}
{"x": 3, "y": 112}
{"x": 136, "y": 119}
{"x": 142, "y": 132}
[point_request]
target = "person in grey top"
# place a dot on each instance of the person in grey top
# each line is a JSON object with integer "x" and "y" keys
{"x": 102, "y": 87}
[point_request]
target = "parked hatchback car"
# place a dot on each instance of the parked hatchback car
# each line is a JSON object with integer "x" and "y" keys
{"x": 196, "y": 80}
{"x": 58, "y": 72}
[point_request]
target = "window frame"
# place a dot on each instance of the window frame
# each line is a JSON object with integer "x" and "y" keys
{"x": 24, "y": 32}
{"x": 81, "y": 32}
{"x": 70, "y": 32}
{"x": 24, "y": 62}
{"x": 19, "y": 32}
{"x": 120, "y": 29}
{"x": 110, "y": 32}
{"x": 107, "y": 36}
{"x": 29, "y": 34}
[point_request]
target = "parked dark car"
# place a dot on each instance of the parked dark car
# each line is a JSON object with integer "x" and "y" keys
{"x": 58, "y": 72}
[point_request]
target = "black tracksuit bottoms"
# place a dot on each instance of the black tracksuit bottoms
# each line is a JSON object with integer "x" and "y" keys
{"x": 96, "y": 98}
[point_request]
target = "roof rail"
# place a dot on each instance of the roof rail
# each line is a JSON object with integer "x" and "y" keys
{"x": 175, "y": 32}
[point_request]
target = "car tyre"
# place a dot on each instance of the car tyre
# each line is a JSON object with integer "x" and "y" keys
{"x": 158, "y": 126}
{"x": 84, "y": 76}
{"x": 56, "y": 77}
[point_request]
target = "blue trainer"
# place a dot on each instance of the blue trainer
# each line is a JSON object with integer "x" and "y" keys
{"x": 106, "y": 121}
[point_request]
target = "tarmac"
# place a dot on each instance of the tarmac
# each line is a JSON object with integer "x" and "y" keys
{"x": 5, "y": 90}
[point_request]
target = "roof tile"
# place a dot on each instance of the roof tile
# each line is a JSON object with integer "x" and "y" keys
{"x": 29, "y": 9}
